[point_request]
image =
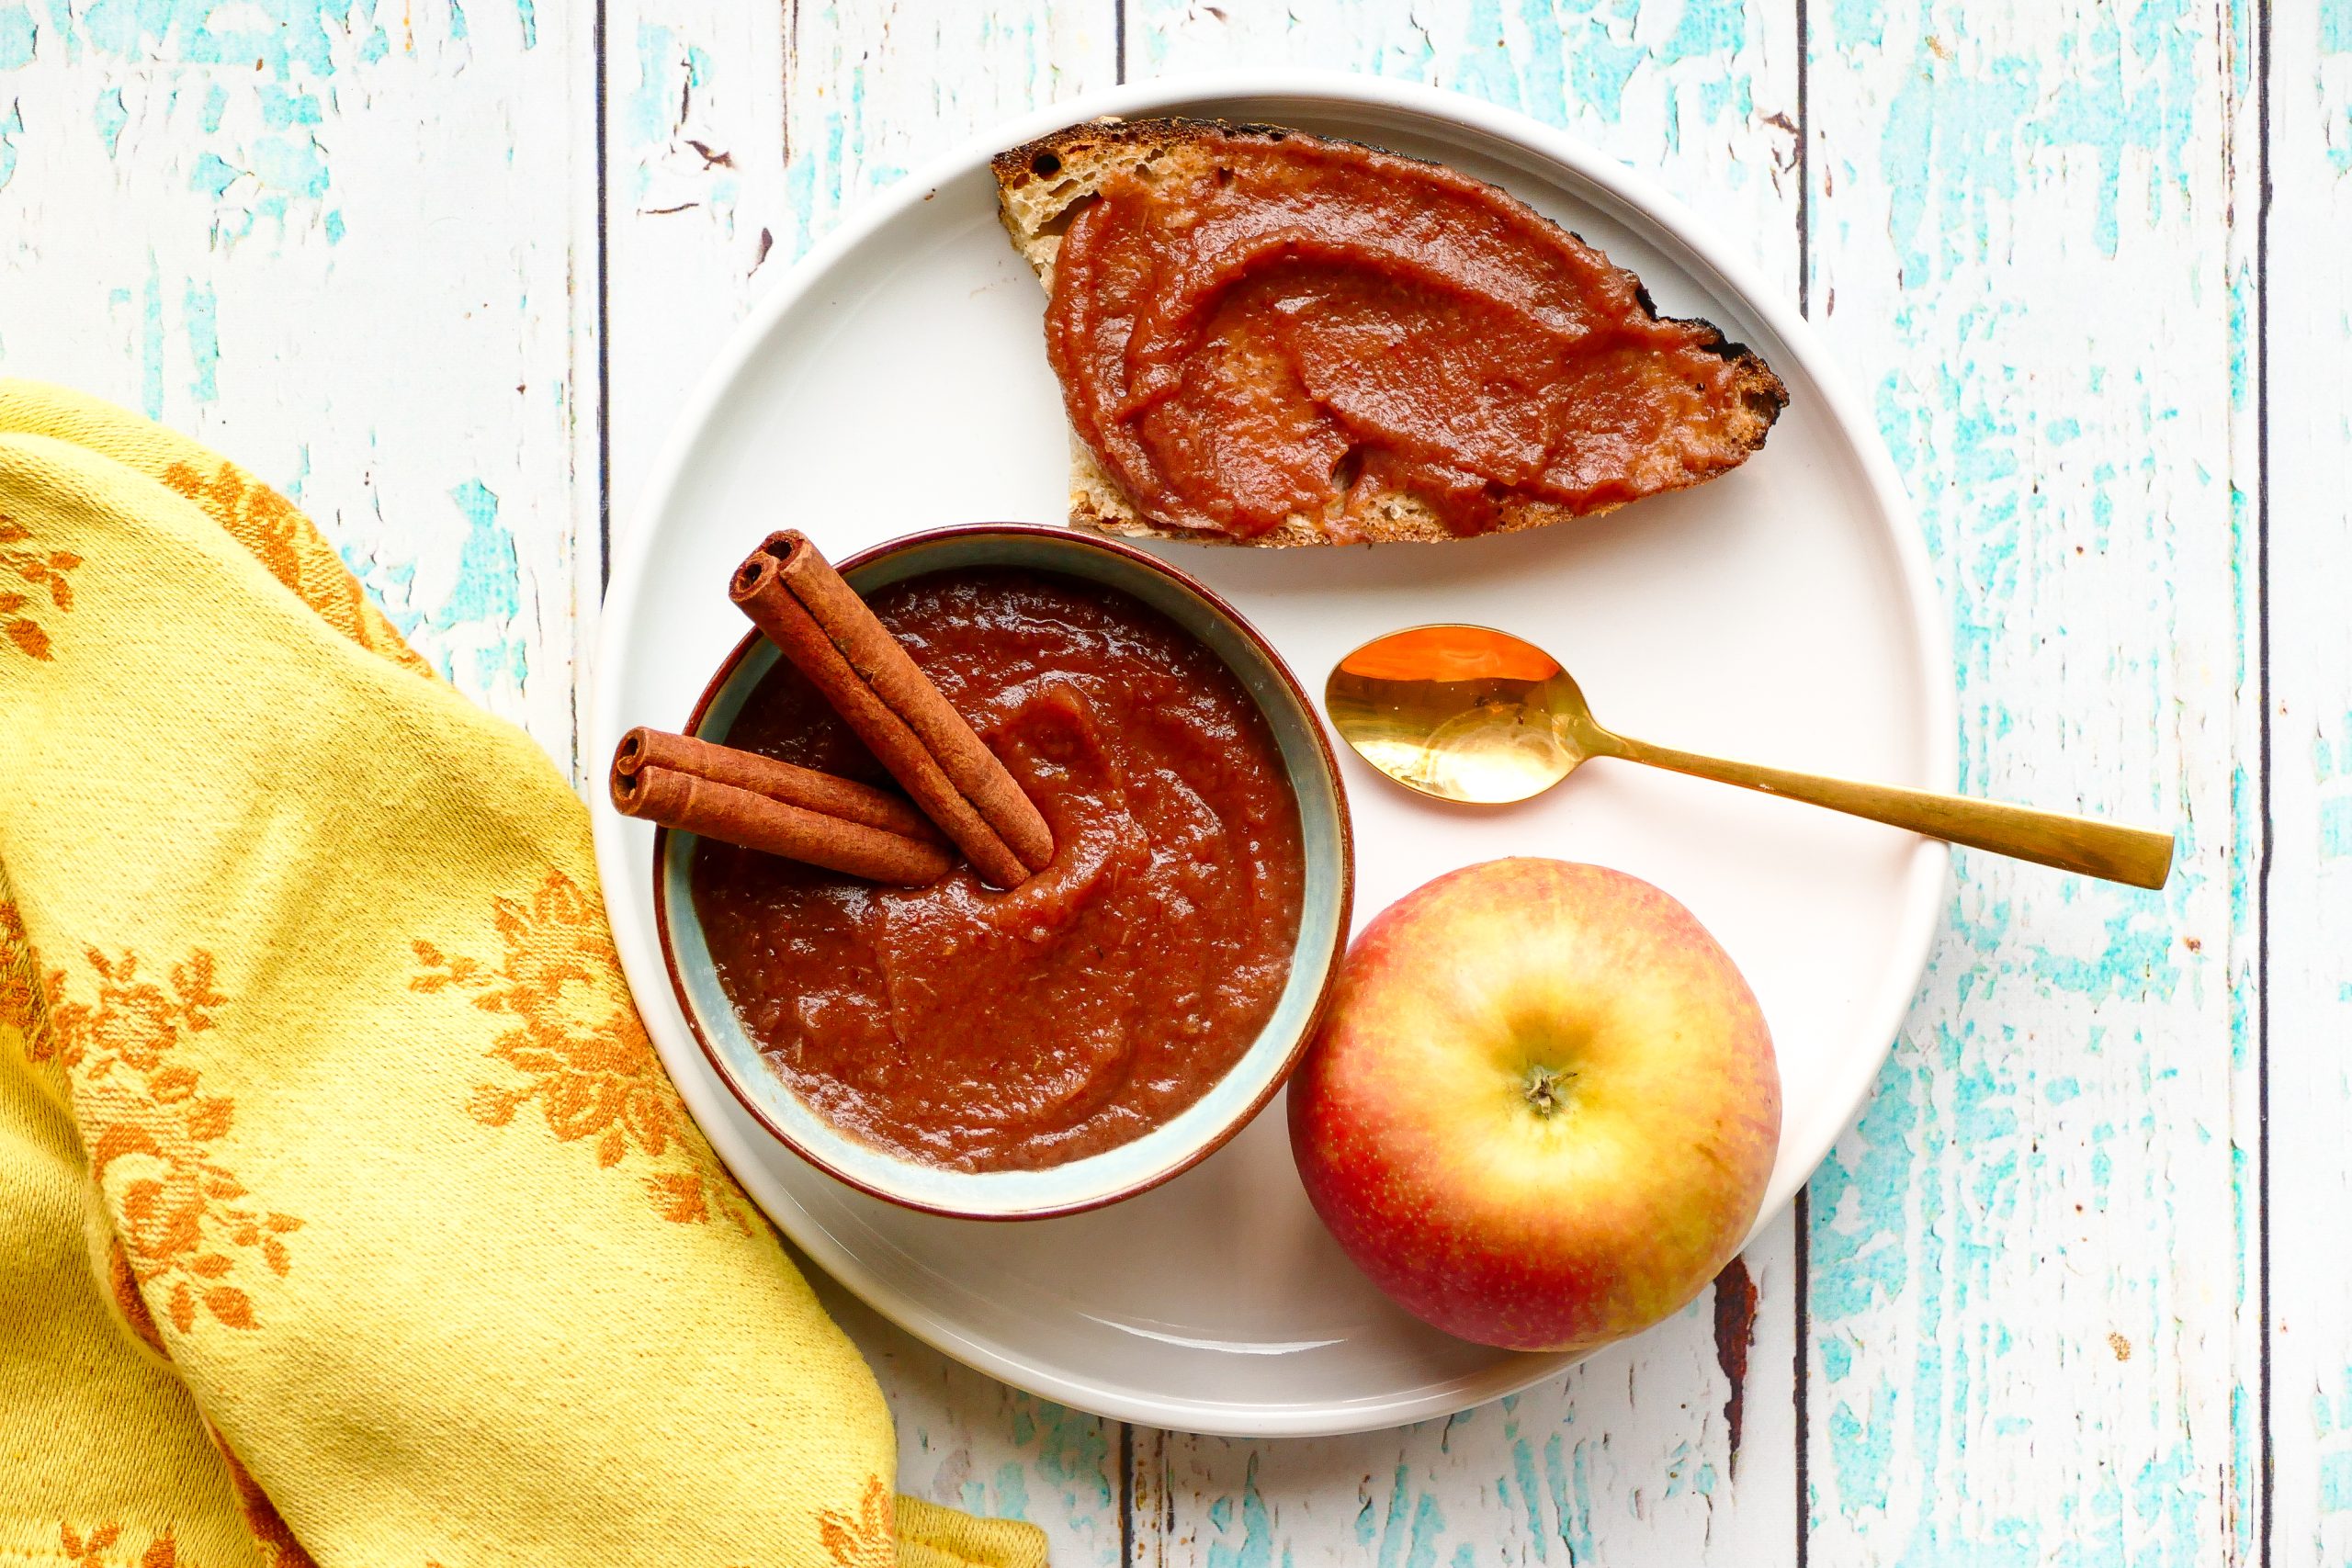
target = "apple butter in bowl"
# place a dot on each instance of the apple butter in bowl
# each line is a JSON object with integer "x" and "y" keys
{"x": 1003, "y": 1052}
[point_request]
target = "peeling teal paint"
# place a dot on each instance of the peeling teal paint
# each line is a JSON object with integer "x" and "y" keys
{"x": 1257, "y": 1546}
{"x": 1913, "y": 1215}
{"x": 111, "y": 117}
{"x": 486, "y": 598}
{"x": 212, "y": 176}
{"x": 2163, "y": 1499}
{"x": 526, "y": 17}
{"x": 284, "y": 52}
{"x": 289, "y": 165}
{"x": 18, "y": 38}
{"x": 1568, "y": 1482}
{"x": 1010, "y": 1493}
{"x": 489, "y": 575}
{"x": 2335, "y": 827}
{"x": 1600, "y": 69}
{"x": 1072, "y": 1451}
{"x": 1857, "y": 24}
{"x": 2336, "y": 1483}
{"x": 200, "y": 309}
{"x": 650, "y": 103}
{"x": 285, "y": 37}
{"x": 2335, "y": 27}
{"x": 2138, "y": 960}
{"x": 282, "y": 107}
{"x": 1541, "y": 62}
{"x": 1860, "y": 1449}
{"x": 1706, "y": 28}
{"x": 1856, "y": 1240}
{"x": 2241, "y": 336}
{"x": 1393, "y": 1525}
{"x": 1485, "y": 68}
{"x": 1428, "y": 1528}
{"x": 1530, "y": 1495}
{"x": 2331, "y": 1429}
{"x": 12, "y": 125}
{"x": 1950, "y": 135}
{"x": 151, "y": 343}
{"x": 2153, "y": 114}
{"x": 1961, "y": 131}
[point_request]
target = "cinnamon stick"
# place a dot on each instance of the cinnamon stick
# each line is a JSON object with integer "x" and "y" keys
{"x": 827, "y": 793}
{"x": 817, "y": 621}
{"x": 693, "y": 802}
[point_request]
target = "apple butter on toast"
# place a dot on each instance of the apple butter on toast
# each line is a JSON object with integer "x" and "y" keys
{"x": 1271, "y": 338}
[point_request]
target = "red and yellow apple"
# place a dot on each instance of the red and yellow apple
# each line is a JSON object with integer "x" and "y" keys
{"x": 1542, "y": 1107}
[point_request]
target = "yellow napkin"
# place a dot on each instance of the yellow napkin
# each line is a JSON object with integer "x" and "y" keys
{"x": 347, "y": 1215}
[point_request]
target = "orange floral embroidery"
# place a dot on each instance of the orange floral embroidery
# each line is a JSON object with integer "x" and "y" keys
{"x": 579, "y": 1050}
{"x": 289, "y": 547}
{"x": 37, "y": 569}
{"x": 83, "y": 1551}
{"x": 19, "y": 982}
{"x": 863, "y": 1541}
{"x": 180, "y": 1225}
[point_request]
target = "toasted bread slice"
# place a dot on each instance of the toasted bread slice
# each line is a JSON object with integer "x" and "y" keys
{"x": 1040, "y": 187}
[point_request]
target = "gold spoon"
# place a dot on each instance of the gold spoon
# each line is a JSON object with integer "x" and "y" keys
{"x": 1467, "y": 713}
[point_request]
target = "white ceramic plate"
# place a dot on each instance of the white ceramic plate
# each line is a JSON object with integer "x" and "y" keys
{"x": 895, "y": 379}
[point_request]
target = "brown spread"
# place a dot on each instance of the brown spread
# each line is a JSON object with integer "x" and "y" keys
{"x": 1271, "y": 325}
{"x": 988, "y": 1030}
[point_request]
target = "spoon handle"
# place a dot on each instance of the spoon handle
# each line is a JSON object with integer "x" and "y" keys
{"x": 2084, "y": 844}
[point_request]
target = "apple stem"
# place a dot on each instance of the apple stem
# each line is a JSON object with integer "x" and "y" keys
{"x": 1546, "y": 1088}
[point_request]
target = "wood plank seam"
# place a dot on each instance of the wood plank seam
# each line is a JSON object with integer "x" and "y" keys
{"x": 599, "y": 23}
{"x": 2262, "y": 69}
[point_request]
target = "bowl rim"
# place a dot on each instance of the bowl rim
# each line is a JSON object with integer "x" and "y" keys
{"x": 1341, "y": 925}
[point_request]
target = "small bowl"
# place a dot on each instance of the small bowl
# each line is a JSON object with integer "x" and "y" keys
{"x": 1197, "y": 1132}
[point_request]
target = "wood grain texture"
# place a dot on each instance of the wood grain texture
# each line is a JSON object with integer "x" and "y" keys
{"x": 266, "y": 228}
{"x": 2308, "y": 420}
{"x": 2031, "y": 1337}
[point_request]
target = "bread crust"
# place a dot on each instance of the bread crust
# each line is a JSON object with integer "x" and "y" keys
{"x": 1040, "y": 186}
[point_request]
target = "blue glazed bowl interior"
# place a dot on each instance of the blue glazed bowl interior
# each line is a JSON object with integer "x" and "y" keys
{"x": 1167, "y": 1148}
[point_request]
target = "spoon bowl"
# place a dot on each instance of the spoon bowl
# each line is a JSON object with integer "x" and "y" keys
{"x": 1471, "y": 713}
{"x": 1462, "y": 713}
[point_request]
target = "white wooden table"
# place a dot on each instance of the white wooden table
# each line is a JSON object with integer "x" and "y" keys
{"x": 2078, "y": 1289}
